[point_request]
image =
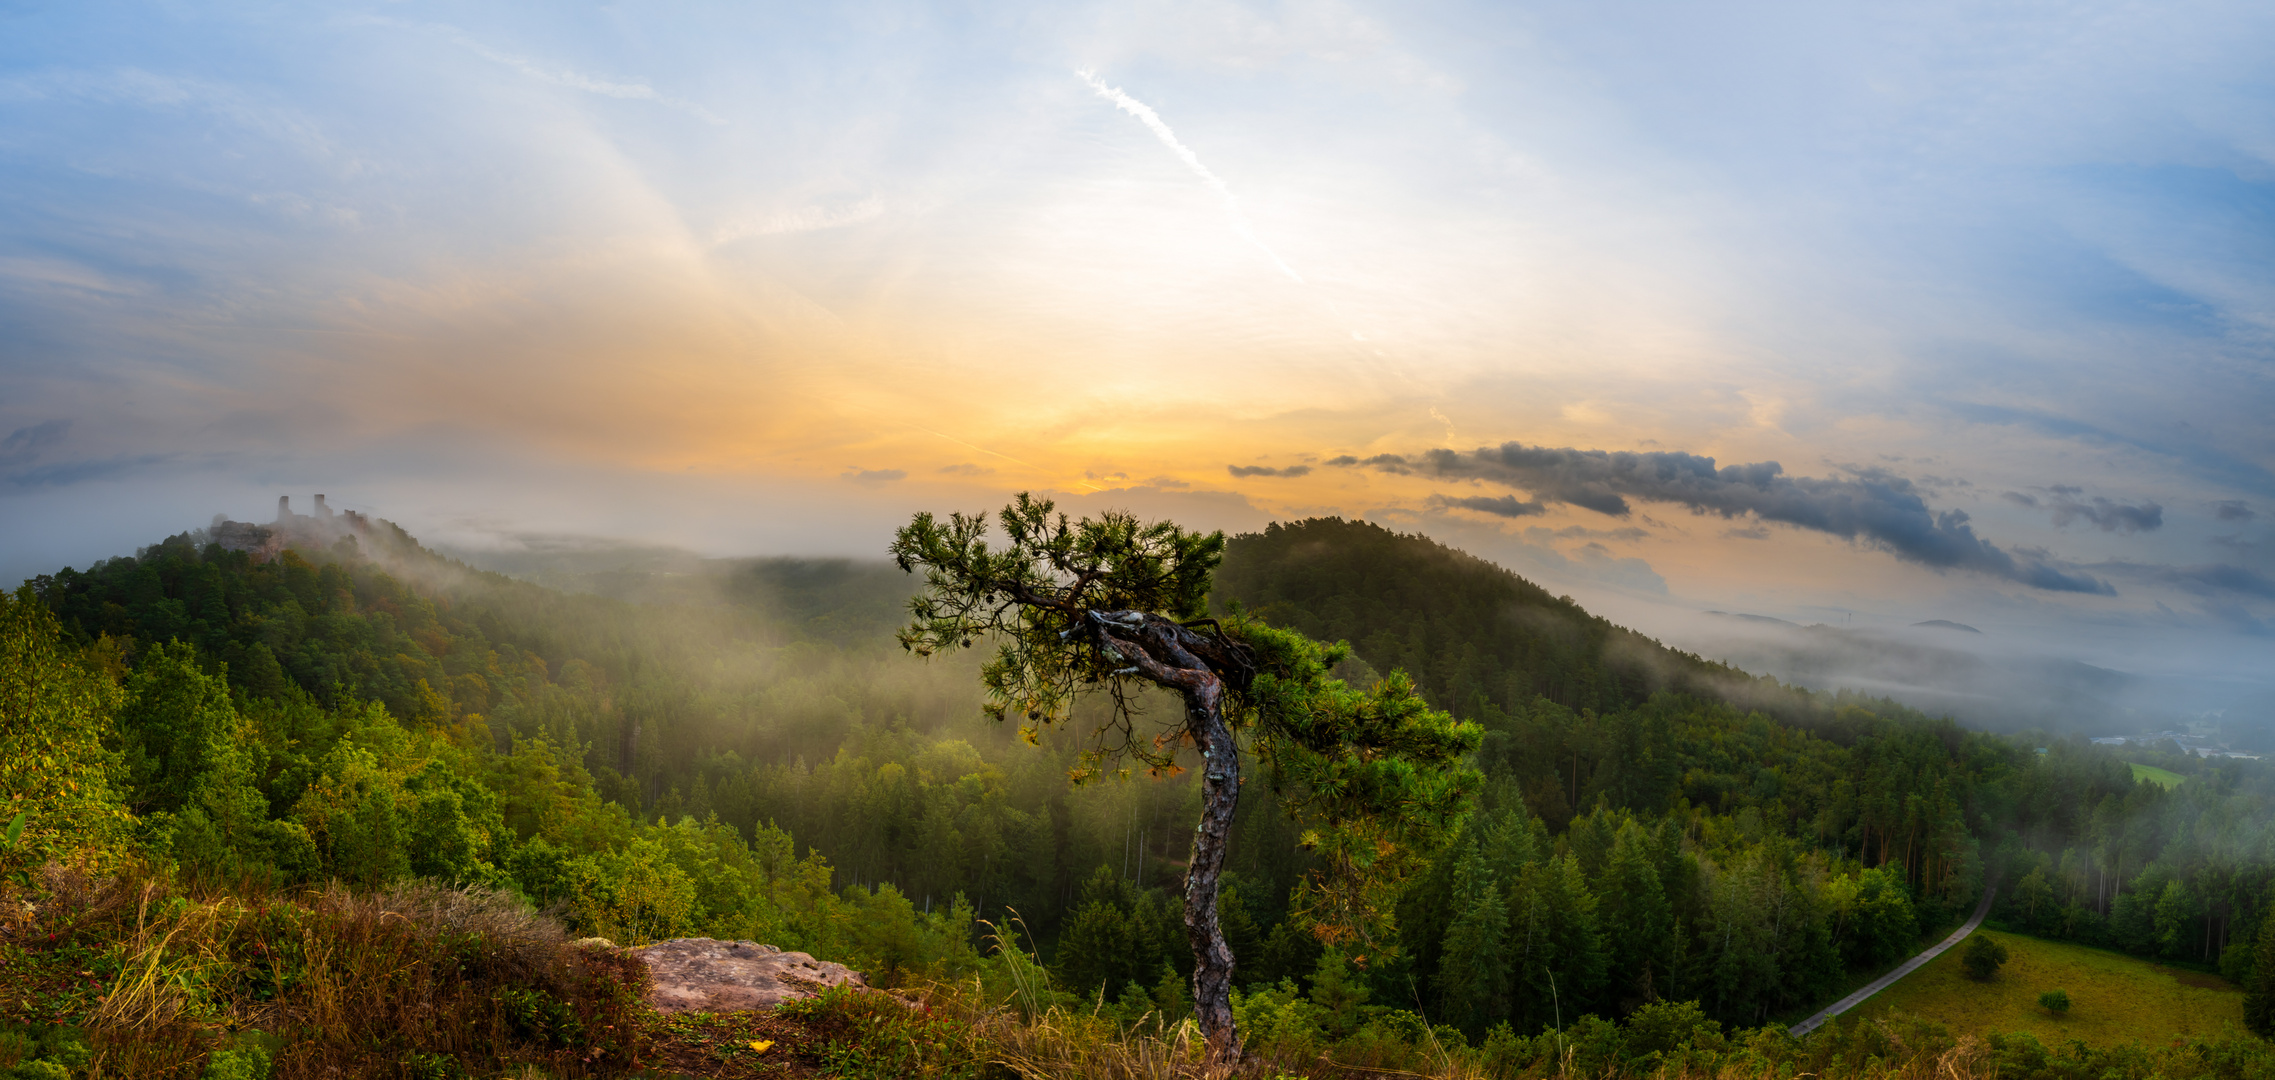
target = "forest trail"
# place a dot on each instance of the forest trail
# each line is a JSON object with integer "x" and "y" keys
{"x": 1885, "y": 981}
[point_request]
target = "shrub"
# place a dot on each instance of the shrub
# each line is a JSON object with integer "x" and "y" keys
{"x": 1662, "y": 1027}
{"x": 420, "y": 979}
{"x": 250, "y": 1063}
{"x": 874, "y": 1036}
{"x": 2055, "y": 1001}
{"x": 1982, "y": 957}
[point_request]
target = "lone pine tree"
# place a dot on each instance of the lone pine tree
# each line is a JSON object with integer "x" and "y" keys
{"x": 1106, "y": 605}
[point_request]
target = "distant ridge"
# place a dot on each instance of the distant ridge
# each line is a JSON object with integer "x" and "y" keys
{"x": 1946, "y": 624}
{"x": 1754, "y": 618}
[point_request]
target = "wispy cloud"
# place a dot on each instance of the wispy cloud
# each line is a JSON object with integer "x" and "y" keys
{"x": 1153, "y": 122}
{"x": 805, "y": 219}
{"x": 23, "y": 445}
{"x": 2208, "y": 579}
{"x": 1498, "y": 505}
{"x": 1242, "y": 472}
{"x": 557, "y": 74}
{"x": 64, "y": 473}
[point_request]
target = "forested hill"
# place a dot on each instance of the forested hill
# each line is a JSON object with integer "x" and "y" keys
{"x": 1471, "y": 634}
{"x": 1563, "y": 694}
{"x": 652, "y": 761}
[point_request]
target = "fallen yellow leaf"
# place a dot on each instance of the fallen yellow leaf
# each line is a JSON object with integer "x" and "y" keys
{"x": 761, "y": 1045}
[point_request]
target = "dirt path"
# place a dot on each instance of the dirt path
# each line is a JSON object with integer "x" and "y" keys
{"x": 1908, "y": 966}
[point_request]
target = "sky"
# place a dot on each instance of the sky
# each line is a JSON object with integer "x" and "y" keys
{"x": 1842, "y": 313}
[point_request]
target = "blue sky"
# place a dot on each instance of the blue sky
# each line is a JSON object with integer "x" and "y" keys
{"x": 766, "y": 278}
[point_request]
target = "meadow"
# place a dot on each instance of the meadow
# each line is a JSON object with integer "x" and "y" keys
{"x": 2164, "y": 778}
{"x": 2115, "y": 998}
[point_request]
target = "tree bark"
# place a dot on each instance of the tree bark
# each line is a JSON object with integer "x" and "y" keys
{"x": 1212, "y": 957}
{"x": 1172, "y": 656}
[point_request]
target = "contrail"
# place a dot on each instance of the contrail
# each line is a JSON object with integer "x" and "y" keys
{"x": 1152, "y": 121}
{"x": 981, "y": 449}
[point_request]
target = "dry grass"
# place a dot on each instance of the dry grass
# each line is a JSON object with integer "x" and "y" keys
{"x": 418, "y": 980}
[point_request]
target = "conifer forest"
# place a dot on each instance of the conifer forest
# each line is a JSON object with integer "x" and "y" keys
{"x": 759, "y": 759}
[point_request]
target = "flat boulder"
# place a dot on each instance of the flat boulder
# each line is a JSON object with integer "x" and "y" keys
{"x": 709, "y": 975}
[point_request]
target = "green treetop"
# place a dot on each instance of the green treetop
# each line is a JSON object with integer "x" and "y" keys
{"x": 1109, "y": 605}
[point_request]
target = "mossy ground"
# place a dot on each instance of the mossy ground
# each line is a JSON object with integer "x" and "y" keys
{"x": 2114, "y": 998}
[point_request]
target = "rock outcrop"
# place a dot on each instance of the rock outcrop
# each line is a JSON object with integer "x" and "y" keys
{"x": 709, "y": 975}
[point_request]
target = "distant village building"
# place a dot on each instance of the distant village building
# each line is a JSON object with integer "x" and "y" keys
{"x": 2189, "y": 743}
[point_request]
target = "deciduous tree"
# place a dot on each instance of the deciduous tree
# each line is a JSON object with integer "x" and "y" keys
{"x": 1983, "y": 957}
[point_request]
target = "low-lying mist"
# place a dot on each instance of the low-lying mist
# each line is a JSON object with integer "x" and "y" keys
{"x": 850, "y": 602}
{"x": 1978, "y": 678}
{"x": 1981, "y": 679}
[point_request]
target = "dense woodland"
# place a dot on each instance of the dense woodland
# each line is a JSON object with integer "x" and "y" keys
{"x": 755, "y": 759}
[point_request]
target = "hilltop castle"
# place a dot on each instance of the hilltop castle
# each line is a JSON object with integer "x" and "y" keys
{"x": 321, "y": 529}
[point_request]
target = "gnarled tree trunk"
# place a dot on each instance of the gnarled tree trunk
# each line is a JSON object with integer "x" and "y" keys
{"x": 1220, "y": 795}
{"x": 1172, "y": 656}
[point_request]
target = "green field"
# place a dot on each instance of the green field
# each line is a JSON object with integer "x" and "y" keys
{"x": 2114, "y": 998}
{"x": 2165, "y": 777}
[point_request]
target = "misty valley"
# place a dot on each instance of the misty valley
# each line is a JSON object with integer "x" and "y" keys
{"x": 249, "y": 753}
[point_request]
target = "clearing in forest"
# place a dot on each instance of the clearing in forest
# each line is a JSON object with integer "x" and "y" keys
{"x": 2165, "y": 778}
{"x": 2114, "y": 998}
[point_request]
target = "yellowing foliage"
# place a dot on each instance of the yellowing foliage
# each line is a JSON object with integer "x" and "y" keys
{"x": 55, "y": 710}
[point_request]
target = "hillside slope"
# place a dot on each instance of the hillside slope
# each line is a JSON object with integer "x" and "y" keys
{"x": 1468, "y": 631}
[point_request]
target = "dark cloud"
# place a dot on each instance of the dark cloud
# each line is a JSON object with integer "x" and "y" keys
{"x": 23, "y": 445}
{"x": 2233, "y": 510}
{"x": 1500, "y": 505}
{"x": 966, "y": 469}
{"x": 1245, "y": 471}
{"x": 2099, "y": 512}
{"x": 1871, "y": 505}
{"x": 2110, "y": 516}
{"x": 874, "y": 476}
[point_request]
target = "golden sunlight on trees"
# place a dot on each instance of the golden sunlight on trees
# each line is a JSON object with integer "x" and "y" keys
{"x": 55, "y": 709}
